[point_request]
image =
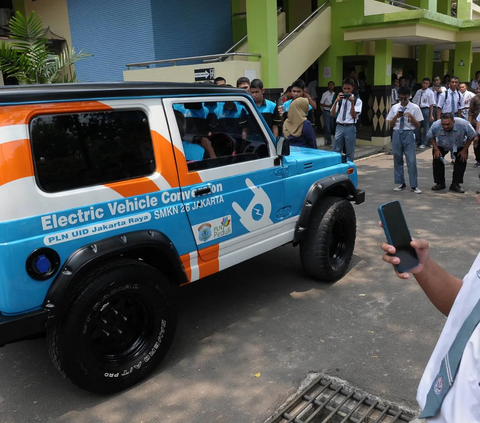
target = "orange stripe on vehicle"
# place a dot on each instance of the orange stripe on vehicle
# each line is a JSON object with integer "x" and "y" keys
{"x": 208, "y": 262}
{"x": 166, "y": 163}
{"x": 134, "y": 187}
{"x": 186, "y": 177}
{"x": 164, "y": 159}
{"x": 186, "y": 264}
{"x": 15, "y": 161}
{"x": 16, "y": 115}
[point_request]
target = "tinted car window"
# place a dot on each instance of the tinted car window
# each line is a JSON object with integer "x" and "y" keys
{"x": 82, "y": 149}
{"x": 229, "y": 127}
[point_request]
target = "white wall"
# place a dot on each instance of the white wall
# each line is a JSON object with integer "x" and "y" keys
{"x": 231, "y": 70}
{"x": 294, "y": 58}
{"x": 54, "y": 14}
{"x": 374, "y": 7}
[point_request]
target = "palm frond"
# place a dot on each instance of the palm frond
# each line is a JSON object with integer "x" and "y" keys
{"x": 27, "y": 57}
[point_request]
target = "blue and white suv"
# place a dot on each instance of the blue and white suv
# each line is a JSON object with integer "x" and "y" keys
{"x": 104, "y": 213}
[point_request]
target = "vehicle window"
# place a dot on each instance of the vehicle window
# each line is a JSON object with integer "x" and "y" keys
{"x": 219, "y": 133}
{"x": 81, "y": 149}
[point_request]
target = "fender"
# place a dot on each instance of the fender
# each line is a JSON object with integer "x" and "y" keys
{"x": 87, "y": 257}
{"x": 338, "y": 185}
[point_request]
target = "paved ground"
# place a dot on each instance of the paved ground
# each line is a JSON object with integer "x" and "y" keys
{"x": 265, "y": 318}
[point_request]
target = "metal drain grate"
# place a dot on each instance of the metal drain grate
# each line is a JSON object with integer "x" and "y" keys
{"x": 331, "y": 400}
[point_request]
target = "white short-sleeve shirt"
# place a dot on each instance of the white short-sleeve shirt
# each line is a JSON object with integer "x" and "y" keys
{"x": 424, "y": 98}
{"x": 446, "y": 105}
{"x": 410, "y": 108}
{"x": 462, "y": 402}
{"x": 348, "y": 104}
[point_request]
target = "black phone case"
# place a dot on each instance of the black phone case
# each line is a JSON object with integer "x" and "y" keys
{"x": 399, "y": 267}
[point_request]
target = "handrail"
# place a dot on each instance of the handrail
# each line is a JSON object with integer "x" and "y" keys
{"x": 303, "y": 23}
{"x": 236, "y": 44}
{"x": 403, "y": 5}
{"x": 279, "y": 10}
{"x": 186, "y": 59}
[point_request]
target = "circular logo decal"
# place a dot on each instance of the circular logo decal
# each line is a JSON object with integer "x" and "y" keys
{"x": 205, "y": 232}
{"x": 257, "y": 212}
{"x": 438, "y": 388}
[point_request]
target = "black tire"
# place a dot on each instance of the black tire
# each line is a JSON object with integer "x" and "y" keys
{"x": 328, "y": 248}
{"x": 117, "y": 328}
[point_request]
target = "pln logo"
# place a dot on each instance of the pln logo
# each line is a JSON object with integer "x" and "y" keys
{"x": 226, "y": 221}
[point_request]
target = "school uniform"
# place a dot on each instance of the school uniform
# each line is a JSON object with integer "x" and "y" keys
{"x": 327, "y": 98}
{"x": 450, "y": 101}
{"x": 454, "y": 396}
{"x": 346, "y": 131}
{"x": 467, "y": 97}
{"x": 403, "y": 142}
{"x": 423, "y": 99}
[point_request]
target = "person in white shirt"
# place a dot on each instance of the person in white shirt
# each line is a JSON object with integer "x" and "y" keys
{"x": 451, "y": 396}
{"x": 475, "y": 83}
{"x": 467, "y": 96}
{"x": 437, "y": 89}
{"x": 326, "y": 103}
{"x": 451, "y": 100}
{"x": 425, "y": 99}
{"x": 395, "y": 84}
{"x": 348, "y": 108}
{"x": 404, "y": 117}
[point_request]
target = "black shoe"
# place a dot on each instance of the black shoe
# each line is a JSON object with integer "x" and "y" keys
{"x": 438, "y": 187}
{"x": 457, "y": 188}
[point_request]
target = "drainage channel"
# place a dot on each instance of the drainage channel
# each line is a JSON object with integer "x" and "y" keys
{"x": 331, "y": 400}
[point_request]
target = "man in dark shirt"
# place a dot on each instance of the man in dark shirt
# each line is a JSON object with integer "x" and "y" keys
{"x": 267, "y": 108}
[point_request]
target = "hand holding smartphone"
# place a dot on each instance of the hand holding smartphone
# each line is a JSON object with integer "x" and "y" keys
{"x": 398, "y": 235}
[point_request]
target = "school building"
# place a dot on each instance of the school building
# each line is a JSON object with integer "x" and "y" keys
{"x": 275, "y": 40}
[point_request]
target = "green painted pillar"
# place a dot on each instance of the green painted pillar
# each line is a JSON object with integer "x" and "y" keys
{"x": 428, "y": 5}
{"x": 262, "y": 37}
{"x": 425, "y": 62}
{"x": 464, "y": 8}
{"x": 239, "y": 20}
{"x": 330, "y": 64}
{"x": 443, "y": 6}
{"x": 462, "y": 60}
{"x": 383, "y": 62}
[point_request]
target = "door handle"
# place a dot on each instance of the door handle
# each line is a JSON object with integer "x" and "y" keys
{"x": 202, "y": 191}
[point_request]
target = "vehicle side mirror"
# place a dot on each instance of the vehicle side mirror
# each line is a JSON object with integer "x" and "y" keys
{"x": 283, "y": 147}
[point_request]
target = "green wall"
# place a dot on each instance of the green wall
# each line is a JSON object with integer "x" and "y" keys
{"x": 297, "y": 11}
{"x": 239, "y": 23}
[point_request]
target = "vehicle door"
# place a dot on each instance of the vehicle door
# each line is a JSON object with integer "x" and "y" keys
{"x": 234, "y": 201}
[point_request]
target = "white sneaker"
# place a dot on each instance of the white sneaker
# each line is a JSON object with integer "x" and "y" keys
{"x": 422, "y": 147}
{"x": 416, "y": 190}
{"x": 400, "y": 187}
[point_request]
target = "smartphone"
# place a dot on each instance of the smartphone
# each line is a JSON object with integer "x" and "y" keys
{"x": 346, "y": 96}
{"x": 398, "y": 235}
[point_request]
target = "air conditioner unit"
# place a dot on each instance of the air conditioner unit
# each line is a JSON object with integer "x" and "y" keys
{"x": 5, "y": 15}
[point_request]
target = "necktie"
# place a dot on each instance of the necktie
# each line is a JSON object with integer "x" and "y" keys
{"x": 402, "y": 124}
{"x": 453, "y": 103}
{"x": 344, "y": 115}
{"x": 449, "y": 367}
{"x": 420, "y": 101}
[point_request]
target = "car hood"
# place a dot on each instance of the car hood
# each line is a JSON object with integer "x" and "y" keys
{"x": 302, "y": 160}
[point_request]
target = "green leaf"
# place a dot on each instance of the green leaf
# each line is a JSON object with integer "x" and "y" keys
{"x": 28, "y": 58}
